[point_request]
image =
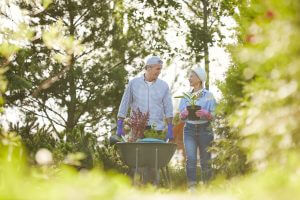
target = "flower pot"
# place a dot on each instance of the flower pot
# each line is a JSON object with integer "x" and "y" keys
{"x": 192, "y": 112}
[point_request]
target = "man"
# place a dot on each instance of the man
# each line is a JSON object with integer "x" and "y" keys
{"x": 150, "y": 94}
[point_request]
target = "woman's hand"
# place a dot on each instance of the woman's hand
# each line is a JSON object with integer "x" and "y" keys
{"x": 184, "y": 114}
{"x": 202, "y": 113}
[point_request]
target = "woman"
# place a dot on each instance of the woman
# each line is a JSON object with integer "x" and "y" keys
{"x": 198, "y": 133}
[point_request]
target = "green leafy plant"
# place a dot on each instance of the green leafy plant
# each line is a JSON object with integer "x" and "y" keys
{"x": 190, "y": 97}
{"x": 192, "y": 107}
{"x": 230, "y": 158}
{"x": 153, "y": 133}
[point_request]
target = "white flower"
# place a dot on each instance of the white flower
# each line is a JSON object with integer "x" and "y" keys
{"x": 43, "y": 157}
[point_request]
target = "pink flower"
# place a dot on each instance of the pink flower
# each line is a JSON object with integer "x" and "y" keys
{"x": 250, "y": 38}
{"x": 270, "y": 14}
{"x": 138, "y": 122}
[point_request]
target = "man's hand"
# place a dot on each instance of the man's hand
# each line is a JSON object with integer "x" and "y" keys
{"x": 169, "y": 135}
{"x": 202, "y": 113}
{"x": 120, "y": 130}
{"x": 184, "y": 114}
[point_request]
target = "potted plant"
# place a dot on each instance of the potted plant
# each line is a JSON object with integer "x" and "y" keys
{"x": 137, "y": 123}
{"x": 192, "y": 107}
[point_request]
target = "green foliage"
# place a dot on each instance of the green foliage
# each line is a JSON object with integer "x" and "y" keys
{"x": 190, "y": 97}
{"x": 3, "y": 84}
{"x": 74, "y": 70}
{"x": 204, "y": 24}
{"x": 268, "y": 118}
{"x": 200, "y": 35}
{"x": 58, "y": 183}
{"x": 110, "y": 159}
{"x": 276, "y": 182}
{"x": 230, "y": 158}
{"x": 178, "y": 176}
{"x": 259, "y": 113}
{"x": 66, "y": 146}
{"x": 77, "y": 141}
{"x": 152, "y": 133}
{"x": 261, "y": 91}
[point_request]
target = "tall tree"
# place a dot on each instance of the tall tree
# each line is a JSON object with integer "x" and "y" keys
{"x": 204, "y": 23}
{"x": 87, "y": 87}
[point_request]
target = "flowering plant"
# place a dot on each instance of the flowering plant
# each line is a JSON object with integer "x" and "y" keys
{"x": 137, "y": 122}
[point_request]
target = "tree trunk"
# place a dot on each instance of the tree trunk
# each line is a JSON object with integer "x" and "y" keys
{"x": 206, "y": 52}
{"x": 71, "y": 107}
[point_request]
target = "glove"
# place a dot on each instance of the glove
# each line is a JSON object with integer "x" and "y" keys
{"x": 120, "y": 130}
{"x": 170, "y": 132}
{"x": 202, "y": 113}
{"x": 184, "y": 114}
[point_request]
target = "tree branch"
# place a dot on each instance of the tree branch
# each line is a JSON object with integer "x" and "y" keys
{"x": 49, "y": 81}
{"x": 192, "y": 9}
{"x": 51, "y": 122}
{"x": 75, "y": 23}
{"x": 50, "y": 109}
{"x": 39, "y": 115}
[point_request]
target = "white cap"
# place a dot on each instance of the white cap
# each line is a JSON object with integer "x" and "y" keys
{"x": 153, "y": 60}
{"x": 200, "y": 73}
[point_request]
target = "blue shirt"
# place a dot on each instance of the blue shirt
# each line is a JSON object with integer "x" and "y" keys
{"x": 206, "y": 100}
{"x": 154, "y": 98}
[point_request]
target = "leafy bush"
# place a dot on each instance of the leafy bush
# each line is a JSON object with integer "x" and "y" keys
{"x": 67, "y": 144}
{"x": 178, "y": 176}
{"x": 110, "y": 159}
{"x": 18, "y": 181}
{"x": 269, "y": 113}
{"x": 230, "y": 159}
{"x": 64, "y": 182}
{"x": 261, "y": 90}
{"x": 34, "y": 137}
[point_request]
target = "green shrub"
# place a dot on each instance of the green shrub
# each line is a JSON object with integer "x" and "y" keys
{"x": 66, "y": 145}
{"x": 19, "y": 181}
{"x": 230, "y": 159}
{"x": 178, "y": 176}
{"x": 267, "y": 59}
{"x": 110, "y": 160}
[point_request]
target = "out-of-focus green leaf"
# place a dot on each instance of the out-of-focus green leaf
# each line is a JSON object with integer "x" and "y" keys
{"x": 7, "y": 49}
{"x": 261, "y": 90}
{"x": 46, "y": 3}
